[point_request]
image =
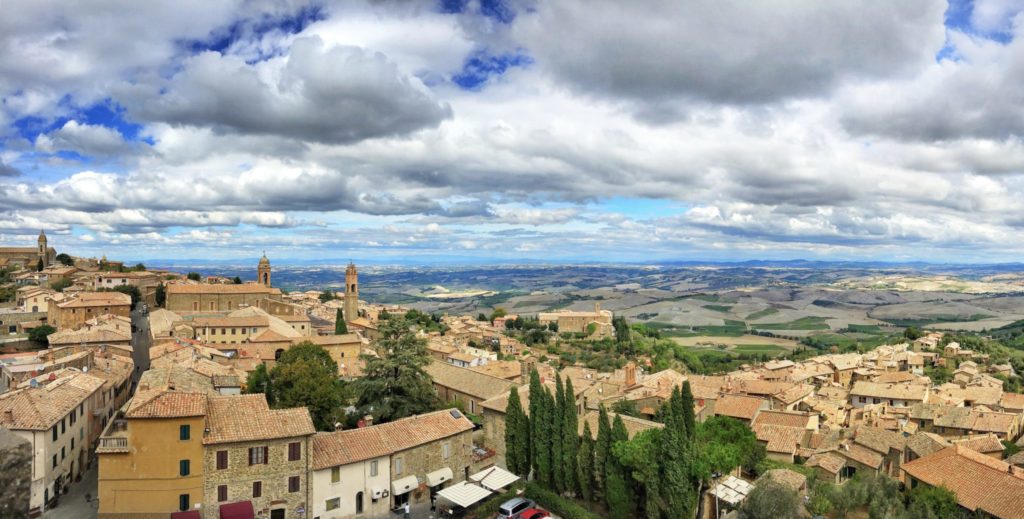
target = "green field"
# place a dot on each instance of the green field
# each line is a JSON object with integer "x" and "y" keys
{"x": 718, "y": 308}
{"x": 865, "y": 328}
{"x": 758, "y": 349}
{"x": 803, "y": 323}
{"x": 762, "y": 313}
{"x": 935, "y": 319}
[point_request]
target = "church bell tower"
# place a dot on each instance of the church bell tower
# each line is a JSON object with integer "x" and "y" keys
{"x": 263, "y": 271}
{"x": 351, "y": 293}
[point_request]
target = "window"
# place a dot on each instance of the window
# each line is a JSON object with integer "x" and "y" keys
{"x": 294, "y": 451}
{"x": 472, "y": 406}
{"x": 62, "y": 429}
{"x": 54, "y": 431}
{"x": 222, "y": 493}
{"x": 72, "y": 417}
{"x": 72, "y": 443}
{"x": 54, "y": 461}
{"x": 293, "y": 484}
{"x": 183, "y": 502}
{"x": 62, "y": 454}
{"x": 257, "y": 455}
{"x": 233, "y": 330}
{"x": 373, "y": 468}
{"x": 183, "y": 467}
{"x": 184, "y": 432}
{"x": 257, "y": 488}
{"x": 398, "y": 465}
{"x": 446, "y": 450}
{"x": 222, "y": 460}
{"x": 335, "y": 474}
{"x": 333, "y": 504}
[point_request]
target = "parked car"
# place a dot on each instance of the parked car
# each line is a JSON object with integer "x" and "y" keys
{"x": 535, "y": 513}
{"x": 513, "y": 508}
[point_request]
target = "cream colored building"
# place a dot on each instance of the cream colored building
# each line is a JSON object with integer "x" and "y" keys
{"x": 71, "y": 314}
{"x": 594, "y": 324}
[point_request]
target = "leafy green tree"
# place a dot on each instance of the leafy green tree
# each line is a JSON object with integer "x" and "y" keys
{"x": 770, "y": 500}
{"x": 394, "y": 384}
{"x": 498, "y": 312}
{"x": 237, "y": 280}
{"x": 622, "y": 332}
{"x": 194, "y": 276}
{"x": 139, "y": 267}
{"x": 570, "y": 438}
{"x": 625, "y": 407}
{"x": 726, "y": 443}
{"x": 65, "y": 259}
{"x": 933, "y": 503}
{"x": 60, "y": 284}
{"x": 481, "y": 317}
{"x": 517, "y": 435}
{"x": 340, "y": 327}
{"x": 259, "y": 382}
{"x": 305, "y": 375}
{"x": 326, "y": 296}
{"x": 585, "y": 464}
{"x": 39, "y": 333}
{"x": 640, "y": 459}
{"x": 912, "y": 333}
{"x": 131, "y": 290}
{"x": 557, "y": 421}
{"x": 40, "y": 265}
{"x": 161, "y": 295}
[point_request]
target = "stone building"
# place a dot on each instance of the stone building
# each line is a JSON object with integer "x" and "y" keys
{"x": 71, "y": 314}
{"x": 595, "y": 324}
{"x": 15, "y": 475}
{"x": 454, "y": 384}
{"x": 28, "y": 257}
{"x": 255, "y": 458}
{"x": 216, "y": 298}
{"x": 351, "y": 308}
{"x": 263, "y": 271}
{"x": 55, "y": 419}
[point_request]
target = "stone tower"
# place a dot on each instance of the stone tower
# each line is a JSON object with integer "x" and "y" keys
{"x": 351, "y": 293}
{"x": 263, "y": 271}
{"x": 43, "y": 251}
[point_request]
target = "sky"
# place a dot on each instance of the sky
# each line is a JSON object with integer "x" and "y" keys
{"x": 576, "y": 130}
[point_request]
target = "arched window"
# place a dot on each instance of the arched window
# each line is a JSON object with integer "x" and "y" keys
{"x": 359, "y": 502}
{"x": 277, "y": 354}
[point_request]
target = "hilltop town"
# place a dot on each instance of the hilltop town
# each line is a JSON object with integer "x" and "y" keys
{"x": 128, "y": 392}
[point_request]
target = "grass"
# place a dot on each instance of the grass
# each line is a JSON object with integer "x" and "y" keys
{"x": 864, "y": 328}
{"x": 762, "y": 313}
{"x": 935, "y": 319}
{"x": 758, "y": 349}
{"x": 718, "y": 308}
{"x": 803, "y": 323}
{"x": 711, "y": 298}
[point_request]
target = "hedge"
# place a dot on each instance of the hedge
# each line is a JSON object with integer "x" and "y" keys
{"x": 557, "y": 504}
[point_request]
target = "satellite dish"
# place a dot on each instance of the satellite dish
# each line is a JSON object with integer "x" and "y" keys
{"x": 85, "y": 369}
{"x": 33, "y": 383}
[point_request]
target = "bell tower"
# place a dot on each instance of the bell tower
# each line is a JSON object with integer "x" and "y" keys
{"x": 351, "y": 292}
{"x": 43, "y": 251}
{"x": 263, "y": 271}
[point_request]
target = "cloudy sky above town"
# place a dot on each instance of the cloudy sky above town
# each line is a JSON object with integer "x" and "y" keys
{"x": 572, "y": 130}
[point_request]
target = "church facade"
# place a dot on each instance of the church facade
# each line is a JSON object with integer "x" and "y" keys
{"x": 28, "y": 257}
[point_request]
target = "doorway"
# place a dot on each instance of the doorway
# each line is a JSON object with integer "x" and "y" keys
{"x": 277, "y": 513}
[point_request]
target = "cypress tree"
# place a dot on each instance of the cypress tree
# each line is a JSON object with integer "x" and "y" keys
{"x": 570, "y": 439}
{"x": 516, "y": 435}
{"x": 689, "y": 420}
{"x": 602, "y": 449}
{"x": 585, "y": 464}
{"x": 536, "y": 402}
{"x": 557, "y": 421}
{"x": 675, "y": 484}
{"x": 617, "y": 491}
{"x": 545, "y": 416}
{"x": 340, "y": 328}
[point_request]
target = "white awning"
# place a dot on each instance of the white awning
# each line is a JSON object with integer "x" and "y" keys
{"x": 732, "y": 490}
{"x": 437, "y": 477}
{"x": 464, "y": 494}
{"x": 401, "y": 486}
{"x": 494, "y": 478}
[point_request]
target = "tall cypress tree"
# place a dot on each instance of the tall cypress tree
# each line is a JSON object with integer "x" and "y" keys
{"x": 602, "y": 449}
{"x": 616, "y": 488}
{"x": 517, "y": 426}
{"x": 536, "y": 421}
{"x": 689, "y": 420}
{"x": 340, "y": 328}
{"x": 585, "y": 464}
{"x": 545, "y": 416}
{"x": 557, "y": 421}
{"x": 674, "y": 452}
{"x": 570, "y": 439}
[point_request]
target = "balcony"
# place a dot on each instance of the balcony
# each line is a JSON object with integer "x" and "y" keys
{"x": 115, "y": 438}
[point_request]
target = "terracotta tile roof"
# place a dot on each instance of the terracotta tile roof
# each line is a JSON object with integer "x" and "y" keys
{"x": 992, "y": 421}
{"x": 39, "y": 408}
{"x": 783, "y": 418}
{"x": 1014, "y": 401}
{"x": 467, "y": 381}
{"x": 860, "y": 454}
{"x": 780, "y": 438}
{"x": 344, "y": 447}
{"x": 984, "y": 444}
{"x": 254, "y": 321}
{"x": 91, "y": 299}
{"x": 633, "y": 425}
{"x": 739, "y": 406}
{"x": 170, "y": 391}
{"x": 826, "y": 460}
{"x": 980, "y": 482}
{"x": 271, "y": 336}
{"x": 506, "y": 369}
{"x": 240, "y": 418}
{"x": 247, "y": 288}
{"x": 894, "y": 391}
{"x": 880, "y": 440}
{"x": 790, "y": 478}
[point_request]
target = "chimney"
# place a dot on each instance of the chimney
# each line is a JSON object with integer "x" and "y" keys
{"x": 9, "y": 416}
{"x": 525, "y": 367}
{"x": 630, "y": 374}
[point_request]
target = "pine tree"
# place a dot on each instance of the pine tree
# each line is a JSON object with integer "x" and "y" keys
{"x": 340, "y": 328}
{"x": 602, "y": 449}
{"x": 516, "y": 435}
{"x": 570, "y": 439}
{"x": 557, "y": 421}
{"x": 585, "y": 464}
{"x": 689, "y": 420}
{"x": 617, "y": 495}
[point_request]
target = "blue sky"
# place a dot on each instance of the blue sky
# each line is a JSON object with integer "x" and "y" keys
{"x": 488, "y": 129}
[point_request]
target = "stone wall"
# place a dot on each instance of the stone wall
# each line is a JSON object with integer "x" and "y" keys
{"x": 15, "y": 475}
{"x": 426, "y": 458}
{"x": 239, "y": 477}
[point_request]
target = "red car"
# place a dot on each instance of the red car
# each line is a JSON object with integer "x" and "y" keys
{"x": 534, "y": 513}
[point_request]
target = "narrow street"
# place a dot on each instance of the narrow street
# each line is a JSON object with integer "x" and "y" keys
{"x": 141, "y": 342}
